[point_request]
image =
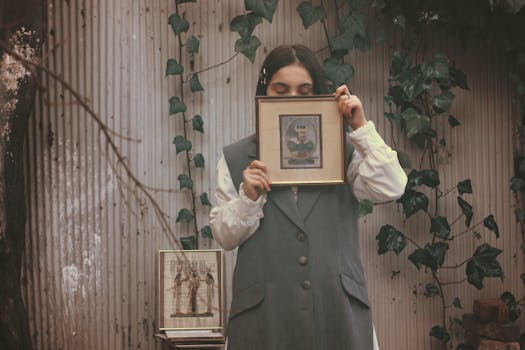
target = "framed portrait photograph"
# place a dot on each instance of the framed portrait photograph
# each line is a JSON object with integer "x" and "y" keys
{"x": 301, "y": 139}
{"x": 190, "y": 286}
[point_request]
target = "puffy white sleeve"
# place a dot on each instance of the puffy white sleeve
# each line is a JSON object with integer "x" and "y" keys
{"x": 235, "y": 217}
{"x": 374, "y": 172}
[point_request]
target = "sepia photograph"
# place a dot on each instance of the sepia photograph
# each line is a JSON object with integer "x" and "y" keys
{"x": 300, "y": 141}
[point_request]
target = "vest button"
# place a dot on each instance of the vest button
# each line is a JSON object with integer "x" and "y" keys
{"x": 303, "y": 260}
{"x": 306, "y": 284}
{"x": 301, "y": 236}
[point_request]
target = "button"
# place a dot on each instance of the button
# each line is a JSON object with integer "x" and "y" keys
{"x": 301, "y": 236}
{"x": 306, "y": 284}
{"x": 303, "y": 260}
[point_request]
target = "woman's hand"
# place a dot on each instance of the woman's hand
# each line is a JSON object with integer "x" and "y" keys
{"x": 255, "y": 181}
{"x": 350, "y": 107}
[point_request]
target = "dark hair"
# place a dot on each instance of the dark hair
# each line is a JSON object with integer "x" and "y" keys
{"x": 289, "y": 54}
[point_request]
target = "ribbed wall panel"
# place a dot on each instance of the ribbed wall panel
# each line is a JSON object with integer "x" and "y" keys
{"x": 91, "y": 250}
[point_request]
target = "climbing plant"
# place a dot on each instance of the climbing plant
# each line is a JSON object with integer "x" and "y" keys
{"x": 182, "y": 141}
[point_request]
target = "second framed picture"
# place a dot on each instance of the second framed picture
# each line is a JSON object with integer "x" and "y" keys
{"x": 301, "y": 139}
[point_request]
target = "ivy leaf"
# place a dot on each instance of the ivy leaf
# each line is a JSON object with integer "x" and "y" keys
{"x": 247, "y": 46}
{"x": 431, "y": 290}
{"x": 440, "y": 226}
{"x": 263, "y": 8}
{"x": 343, "y": 41}
{"x": 355, "y": 24}
{"x": 458, "y": 77}
{"x": 337, "y": 73}
{"x": 173, "y": 67}
{"x": 443, "y": 102}
{"x": 176, "y": 106}
{"x": 195, "y": 84}
{"x": 432, "y": 255}
{"x": 414, "y": 122}
{"x": 453, "y": 122}
{"x": 206, "y": 232}
{"x": 457, "y": 303}
{"x": 192, "y": 45}
{"x": 491, "y": 224}
{"x": 204, "y": 199}
{"x": 188, "y": 243}
{"x": 466, "y": 208}
{"x": 514, "y": 310}
{"x": 181, "y": 144}
{"x": 178, "y": 24}
{"x": 404, "y": 159}
{"x": 399, "y": 63}
{"x": 520, "y": 214}
{"x": 522, "y": 276}
{"x": 178, "y": 2}
{"x": 198, "y": 159}
{"x": 390, "y": 239}
{"x": 185, "y": 181}
{"x": 310, "y": 14}
{"x": 197, "y": 123}
{"x": 483, "y": 264}
{"x": 517, "y": 184}
{"x": 464, "y": 186}
{"x": 399, "y": 20}
{"x": 440, "y": 334}
{"x": 508, "y": 298}
{"x": 184, "y": 215}
{"x": 245, "y": 24}
{"x": 365, "y": 207}
{"x": 413, "y": 201}
{"x": 428, "y": 177}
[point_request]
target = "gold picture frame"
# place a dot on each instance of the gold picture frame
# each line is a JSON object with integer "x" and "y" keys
{"x": 190, "y": 286}
{"x": 301, "y": 140}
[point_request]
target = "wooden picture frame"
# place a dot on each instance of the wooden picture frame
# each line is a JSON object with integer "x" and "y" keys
{"x": 190, "y": 286}
{"x": 301, "y": 140}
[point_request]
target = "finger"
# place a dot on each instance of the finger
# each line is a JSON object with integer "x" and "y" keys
{"x": 260, "y": 176}
{"x": 259, "y": 182}
{"x": 342, "y": 91}
{"x": 257, "y": 164}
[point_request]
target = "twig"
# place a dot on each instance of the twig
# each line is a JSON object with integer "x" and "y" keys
{"x": 467, "y": 230}
{"x": 212, "y": 67}
{"x": 452, "y": 282}
{"x": 457, "y": 266}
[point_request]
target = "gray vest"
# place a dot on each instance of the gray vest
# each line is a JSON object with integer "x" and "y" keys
{"x": 298, "y": 283}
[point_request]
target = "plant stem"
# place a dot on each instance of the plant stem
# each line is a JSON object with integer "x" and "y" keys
{"x": 457, "y": 266}
{"x": 467, "y": 230}
{"x": 212, "y": 67}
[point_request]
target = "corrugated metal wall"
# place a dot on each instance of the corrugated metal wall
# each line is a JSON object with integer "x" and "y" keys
{"x": 92, "y": 242}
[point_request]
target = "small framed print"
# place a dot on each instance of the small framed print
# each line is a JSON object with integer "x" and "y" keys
{"x": 301, "y": 139}
{"x": 190, "y": 290}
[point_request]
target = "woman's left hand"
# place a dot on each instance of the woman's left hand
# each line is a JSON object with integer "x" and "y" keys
{"x": 350, "y": 107}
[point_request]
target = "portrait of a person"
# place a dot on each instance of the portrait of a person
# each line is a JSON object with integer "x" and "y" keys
{"x": 299, "y": 145}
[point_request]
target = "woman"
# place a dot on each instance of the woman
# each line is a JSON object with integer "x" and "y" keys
{"x": 298, "y": 283}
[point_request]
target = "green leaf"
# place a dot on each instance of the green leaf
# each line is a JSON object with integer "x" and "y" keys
{"x": 453, "y": 122}
{"x": 204, "y": 199}
{"x": 414, "y": 122}
{"x": 437, "y": 68}
{"x": 432, "y": 255}
{"x": 440, "y": 226}
{"x": 440, "y": 334}
{"x": 464, "y": 186}
{"x": 522, "y": 277}
{"x": 390, "y": 239}
{"x": 508, "y": 298}
{"x": 337, "y": 73}
{"x": 192, "y": 45}
{"x": 404, "y": 159}
{"x": 365, "y": 207}
{"x": 399, "y": 63}
{"x": 491, "y": 224}
{"x": 245, "y": 24}
{"x": 206, "y": 232}
{"x": 343, "y": 41}
{"x": 197, "y": 123}
{"x": 188, "y": 243}
{"x": 412, "y": 202}
{"x": 310, "y": 14}
{"x": 514, "y": 309}
{"x": 195, "y": 84}
{"x": 181, "y": 144}
{"x": 248, "y": 46}
{"x": 443, "y": 102}
{"x": 198, "y": 159}
{"x": 355, "y": 24}
{"x": 173, "y": 67}
{"x": 457, "y": 303}
{"x": 389, "y": 100}
{"x": 431, "y": 290}
{"x": 176, "y": 106}
{"x": 458, "y": 77}
{"x": 428, "y": 177}
{"x": 399, "y": 20}
{"x": 483, "y": 264}
{"x": 263, "y": 8}
{"x": 178, "y": 24}
{"x": 184, "y": 215}
{"x": 178, "y": 2}
{"x": 520, "y": 214}
{"x": 185, "y": 181}
{"x": 359, "y": 4}
{"x": 517, "y": 184}
{"x": 466, "y": 208}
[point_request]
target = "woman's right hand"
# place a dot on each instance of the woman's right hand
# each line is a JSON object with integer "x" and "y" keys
{"x": 255, "y": 181}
